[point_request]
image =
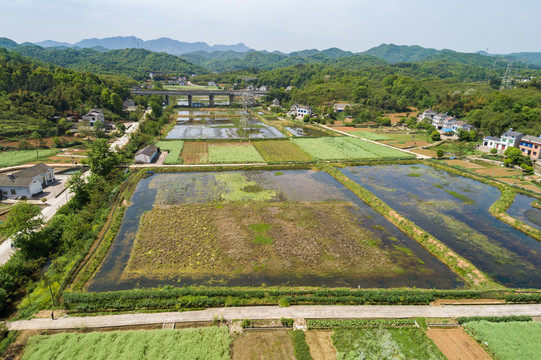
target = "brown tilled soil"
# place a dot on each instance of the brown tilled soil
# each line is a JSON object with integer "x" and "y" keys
{"x": 263, "y": 345}
{"x": 463, "y": 163}
{"x": 455, "y": 344}
{"x": 320, "y": 343}
{"x": 499, "y": 171}
{"x": 426, "y": 152}
{"x": 195, "y": 152}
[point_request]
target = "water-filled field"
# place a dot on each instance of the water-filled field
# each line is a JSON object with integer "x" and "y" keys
{"x": 295, "y": 227}
{"x": 522, "y": 209}
{"x": 217, "y": 124}
{"x": 455, "y": 210}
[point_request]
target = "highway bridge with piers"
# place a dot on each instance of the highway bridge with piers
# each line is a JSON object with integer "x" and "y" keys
{"x": 191, "y": 93}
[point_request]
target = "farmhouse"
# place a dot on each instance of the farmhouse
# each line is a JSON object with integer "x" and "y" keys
{"x": 531, "y": 146}
{"x": 340, "y": 107}
{"x": 491, "y": 142}
{"x": 146, "y": 155}
{"x": 301, "y": 110}
{"x": 275, "y": 103}
{"x": 427, "y": 114}
{"x": 93, "y": 116}
{"x": 27, "y": 182}
{"x": 510, "y": 138}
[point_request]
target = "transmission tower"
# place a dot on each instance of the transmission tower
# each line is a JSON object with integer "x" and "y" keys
{"x": 248, "y": 119}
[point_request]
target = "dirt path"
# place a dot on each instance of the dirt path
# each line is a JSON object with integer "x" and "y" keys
{"x": 455, "y": 344}
{"x": 276, "y": 312}
{"x": 320, "y": 343}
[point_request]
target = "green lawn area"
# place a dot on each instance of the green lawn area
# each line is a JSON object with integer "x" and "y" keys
{"x": 174, "y": 148}
{"x": 19, "y": 157}
{"x": 347, "y": 148}
{"x": 233, "y": 153}
{"x": 382, "y": 343}
{"x": 508, "y": 341}
{"x": 210, "y": 343}
{"x": 280, "y": 151}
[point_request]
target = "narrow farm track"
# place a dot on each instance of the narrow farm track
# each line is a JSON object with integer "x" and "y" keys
{"x": 275, "y": 312}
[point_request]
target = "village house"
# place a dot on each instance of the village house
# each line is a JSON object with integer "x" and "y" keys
{"x": 275, "y": 103}
{"x": 531, "y": 146}
{"x": 27, "y": 182}
{"x": 491, "y": 142}
{"x": 427, "y": 114}
{"x": 263, "y": 88}
{"x": 289, "y": 88}
{"x": 93, "y": 116}
{"x": 301, "y": 110}
{"x": 340, "y": 107}
{"x": 147, "y": 154}
{"x": 510, "y": 138}
{"x": 461, "y": 125}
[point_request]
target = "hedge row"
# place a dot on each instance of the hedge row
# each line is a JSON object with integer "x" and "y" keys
{"x": 356, "y": 323}
{"x": 465, "y": 319}
{"x": 196, "y": 297}
{"x": 523, "y": 298}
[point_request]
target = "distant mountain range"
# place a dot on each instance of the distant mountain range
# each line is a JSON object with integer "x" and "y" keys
{"x": 123, "y": 55}
{"x": 166, "y": 45}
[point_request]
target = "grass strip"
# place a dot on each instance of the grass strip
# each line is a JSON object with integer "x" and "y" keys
{"x": 302, "y": 350}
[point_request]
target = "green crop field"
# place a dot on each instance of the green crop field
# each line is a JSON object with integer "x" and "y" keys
{"x": 174, "y": 148}
{"x": 510, "y": 340}
{"x": 347, "y": 148}
{"x": 382, "y": 343}
{"x": 233, "y": 153}
{"x": 204, "y": 343}
{"x": 280, "y": 151}
{"x": 370, "y": 135}
{"x": 19, "y": 157}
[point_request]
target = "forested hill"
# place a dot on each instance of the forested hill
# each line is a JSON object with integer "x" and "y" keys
{"x": 32, "y": 93}
{"x": 136, "y": 63}
{"x": 223, "y": 61}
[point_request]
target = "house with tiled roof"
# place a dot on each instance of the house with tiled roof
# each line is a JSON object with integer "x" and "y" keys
{"x": 27, "y": 182}
{"x": 531, "y": 146}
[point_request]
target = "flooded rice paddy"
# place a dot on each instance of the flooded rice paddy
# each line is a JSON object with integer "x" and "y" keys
{"x": 522, "y": 209}
{"x": 455, "y": 210}
{"x": 276, "y": 197}
{"x": 217, "y": 124}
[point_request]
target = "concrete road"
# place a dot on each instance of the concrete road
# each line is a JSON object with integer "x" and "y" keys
{"x": 275, "y": 312}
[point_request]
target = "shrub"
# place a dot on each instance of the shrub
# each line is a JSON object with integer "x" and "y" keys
{"x": 246, "y": 323}
{"x": 283, "y": 302}
{"x": 287, "y": 322}
{"x": 439, "y": 153}
{"x": 465, "y": 319}
{"x": 493, "y": 151}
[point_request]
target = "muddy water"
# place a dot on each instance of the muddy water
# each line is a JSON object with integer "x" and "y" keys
{"x": 421, "y": 268}
{"x": 455, "y": 210}
{"x": 522, "y": 209}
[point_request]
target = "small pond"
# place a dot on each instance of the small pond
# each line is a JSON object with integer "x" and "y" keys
{"x": 455, "y": 210}
{"x": 419, "y": 268}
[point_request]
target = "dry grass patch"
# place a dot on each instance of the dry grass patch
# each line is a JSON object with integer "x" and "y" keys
{"x": 320, "y": 343}
{"x": 195, "y": 153}
{"x": 263, "y": 345}
{"x": 199, "y": 240}
{"x": 498, "y": 171}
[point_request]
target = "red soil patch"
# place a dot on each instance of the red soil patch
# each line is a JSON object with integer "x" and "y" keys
{"x": 497, "y": 172}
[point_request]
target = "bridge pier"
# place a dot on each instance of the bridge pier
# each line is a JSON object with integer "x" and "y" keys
{"x": 190, "y": 101}
{"x": 231, "y": 99}
{"x": 211, "y": 100}
{"x": 166, "y": 100}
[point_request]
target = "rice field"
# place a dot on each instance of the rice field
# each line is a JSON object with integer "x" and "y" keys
{"x": 382, "y": 343}
{"x": 280, "y": 151}
{"x": 347, "y": 148}
{"x": 508, "y": 341}
{"x": 233, "y": 153}
{"x": 174, "y": 148}
{"x": 204, "y": 343}
{"x": 19, "y": 157}
{"x": 370, "y": 135}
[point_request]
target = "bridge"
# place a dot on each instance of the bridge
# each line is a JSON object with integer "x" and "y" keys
{"x": 191, "y": 93}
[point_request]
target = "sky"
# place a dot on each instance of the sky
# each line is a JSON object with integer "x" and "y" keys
{"x": 501, "y": 26}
